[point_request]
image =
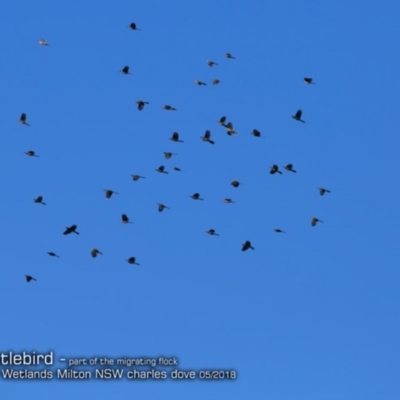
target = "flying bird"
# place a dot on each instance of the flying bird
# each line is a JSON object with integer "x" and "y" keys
{"x": 39, "y": 199}
{"x": 141, "y": 104}
{"x": 167, "y": 107}
{"x": 29, "y": 278}
{"x": 161, "y": 207}
{"x": 196, "y": 196}
{"x": 22, "y": 119}
{"x": 256, "y": 133}
{"x": 133, "y": 27}
{"x": 215, "y": 81}
{"x": 297, "y": 116}
{"x": 227, "y": 201}
{"x": 109, "y": 193}
{"x": 222, "y": 121}
{"x": 322, "y": 191}
{"x": 132, "y": 260}
{"x": 229, "y": 129}
{"x": 211, "y": 63}
{"x": 247, "y": 245}
{"x": 31, "y": 153}
{"x": 309, "y": 81}
{"x": 289, "y": 167}
{"x": 275, "y": 169}
{"x": 212, "y": 232}
{"x": 199, "y": 83}
{"x": 50, "y": 253}
{"x": 177, "y": 169}
{"x": 175, "y": 137}
{"x": 43, "y": 42}
{"x": 94, "y": 253}
{"x": 279, "y": 231}
{"x": 71, "y": 229}
{"x": 168, "y": 154}
{"x": 229, "y": 55}
{"x": 137, "y": 177}
{"x": 314, "y": 221}
{"x": 206, "y": 137}
{"x": 125, "y": 219}
{"x": 235, "y": 183}
{"x": 125, "y": 70}
{"x": 161, "y": 169}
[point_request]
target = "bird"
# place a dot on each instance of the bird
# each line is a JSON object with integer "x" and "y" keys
{"x": 314, "y": 221}
{"x": 275, "y": 169}
{"x": 235, "y": 183}
{"x": 279, "y": 231}
{"x": 211, "y": 63}
{"x": 247, "y": 245}
{"x": 215, "y": 81}
{"x": 22, "y": 119}
{"x": 132, "y": 260}
{"x": 167, "y": 107}
{"x": 206, "y": 137}
{"x": 43, "y": 42}
{"x": 95, "y": 252}
{"x": 161, "y": 169}
{"x": 229, "y": 55}
{"x": 109, "y": 193}
{"x": 256, "y": 133}
{"x": 133, "y": 26}
{"x": 29, "y": 278}
{"x": 222, "y": 121}
{"x": 322, "y": 191}
{"x": 212, "y": 232}
{"x": 177, "y": 169}
{"x": 125, "y": 70}
{"x": 31, "y": 153}
{"x": 39, "y": 199}
{"x": 175, "y": 137}
{"x": 125, "y": 219}
{"x": 161, "y": 207}
{"x": 71, "y": 229}
{"x": 199, "y": 83}
{"x": 227, "y": 201}
{"x": 196, "y": 196}
{"x": 289, "y": 167}
{"x": 297, "y": 116}
{"x": 141, "y": 104}
{"x": 137, "y": 177}
{"x": 168, "y": 154}
{"x": 309, "y": 81}
{"x": 229, "y": 129}
{"x": 50, "y": 253}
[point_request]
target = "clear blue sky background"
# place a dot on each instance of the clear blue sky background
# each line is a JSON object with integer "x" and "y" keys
{"x": 313, "y": 314}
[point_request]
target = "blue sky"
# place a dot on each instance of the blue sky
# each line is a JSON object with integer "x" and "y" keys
{"x": 311, "y": 314}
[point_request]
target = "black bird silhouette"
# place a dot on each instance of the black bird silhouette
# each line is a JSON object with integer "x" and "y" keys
{"x": 235, "y": 184}
{"x": 247, "y": 245}
{"x": 168, "y": 154}
{"x": 125, "y": 219}
{"x": 137, "y": 177}
{"x": 206, "y": 137}
{"x": 314, "y": 221}
{"x": 43, "y": 42}
{"x": 134, "y": 27}
{"x": 39, "y": 199}
{"x": 215, "y": 81}
{"x": 229, "y": 129}
{"x": 161, "y": 207}
{"x": 212, "y": 232}
{"x": 29, "y": 278}
{"x": 309, "y": 81}
{"x": 229, "y": 55}
{"x": 161, "y": 169}
{"x": 297, "y": 116}
{"x": 31, "y": 153}
{"x": 200, "y": 83}
{"x": 228, "y": 201}
{"x": 279, "y": 231}
{"x": 109, "y": 193}
{"x": 222, "y": 121}
{"x": 22, "y": 119}
{"x": 196, "y": 196}
{"x": 125, "y": 70}
{"x": 132, "y": 260}
{"x": 141, "y": 104}
{"x": 168, "y": 107}
{"x": 175, "y": 137}
{"x": 322, "y": 191}
{"x": 71, "y": 229}
{"x": 94, "y": 253}
{"x": 275, "y": 169}
{"x": 177, "y": 169}
{"x": 211, "y": 63}
{"x": 256, "y": 133}
{"x": 50, "y": 253}
{"x": 289, "y": 167}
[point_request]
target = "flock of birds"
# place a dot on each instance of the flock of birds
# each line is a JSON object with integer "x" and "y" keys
{"x": 161, "y": 169}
